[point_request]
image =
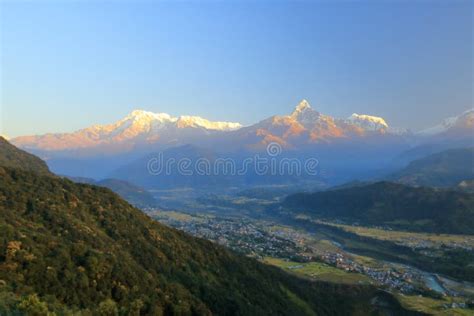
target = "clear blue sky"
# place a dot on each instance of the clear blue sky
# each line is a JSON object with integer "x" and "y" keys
{"x": 65, "y": 66}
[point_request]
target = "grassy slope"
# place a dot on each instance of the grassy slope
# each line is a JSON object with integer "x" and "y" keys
{"x": 319, "y": 271}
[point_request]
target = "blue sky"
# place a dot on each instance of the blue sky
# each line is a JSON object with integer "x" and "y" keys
{"x": 68, "y": 65}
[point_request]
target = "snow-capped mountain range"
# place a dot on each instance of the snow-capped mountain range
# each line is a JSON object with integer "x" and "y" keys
{"x": 367, "y": 122}
{"x": 304, "y": 126}
{"x": 139, "y": 127}
{"x": 344, "y": 146}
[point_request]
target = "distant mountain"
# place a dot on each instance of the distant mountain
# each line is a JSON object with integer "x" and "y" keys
{"x": 139, "y": 128}
{"x": 133, "y": 194}
{"x": 73, "y": 248}
{"x": 461, "y": 125}
{"x": 391, "y": 204}
{"x": 453, "y": 132}
{"x": 444, "y": 169}
{"x": 306, "y": 126}
{"x": 466, "y": 185}
{"x": 358, "y": 147}
{"x": 10, "y": 156}
{"x": 368, "y": 123}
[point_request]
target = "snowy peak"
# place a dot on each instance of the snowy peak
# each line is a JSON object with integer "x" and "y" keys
{"x": 146, "y": 116}
{"x": 307, "y": 116}
{"x": 301, "y": 108}
{"x": 466, "y": 119}
{"x": 138, "y": 127}
{"x": 139, "y": 113}
{"x": 304, "y": 113}
{"x": 197, "y": 121}
{"x": 462, "y": 122}
{"x": 303, "y": 105}
{"x": 307, "y": 126}
{"x": 140, "y": 117}
{"x": 368, "y": 122}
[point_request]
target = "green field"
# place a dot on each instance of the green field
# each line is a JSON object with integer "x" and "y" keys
{"x": 177, "y": 216}
{"x": 318, "y": 271}
{"x": 408, "y": 238}
{"x": 432, "y": 306}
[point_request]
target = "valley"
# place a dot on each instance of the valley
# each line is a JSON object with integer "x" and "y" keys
{"x": 236, "y": 158}
{"x": 321, "y": 250}
{"x": 76, "y": 248}
{"x": 383, "y": 243}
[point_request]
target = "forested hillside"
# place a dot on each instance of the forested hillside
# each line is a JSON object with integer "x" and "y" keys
{"x": 10, "y": 156}
{"x": 67, "y": 246}
{"x": 392, "y": 204}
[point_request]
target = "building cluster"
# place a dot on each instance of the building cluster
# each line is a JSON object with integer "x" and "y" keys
{"x": 402, "y": 281}
{"x": 262, "y": 239}
{"x": 244, "y": 236}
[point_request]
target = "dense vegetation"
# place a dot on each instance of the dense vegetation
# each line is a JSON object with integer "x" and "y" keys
{"x": 68, "y": 246}
{"x": 392, "y": 204}
{"x": 443, "y": 169}
{"x": 10, "y": 156}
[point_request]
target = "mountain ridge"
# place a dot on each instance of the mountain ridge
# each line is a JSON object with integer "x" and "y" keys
{"x": 144, "y": 127}
{"x": 138, "y": 126}
{"x": 449, "y": 125}
{"x": 303, "y": 126}
{"x": 11, "y": 156}
{"x": 442, "y": 169}
{"x": 347, "y": 147}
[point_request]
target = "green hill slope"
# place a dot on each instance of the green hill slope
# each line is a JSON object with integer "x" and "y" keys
{"x": 396, "y": 205}
{"x": 10, "y": 156}
{"x": 81, "y": 247}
